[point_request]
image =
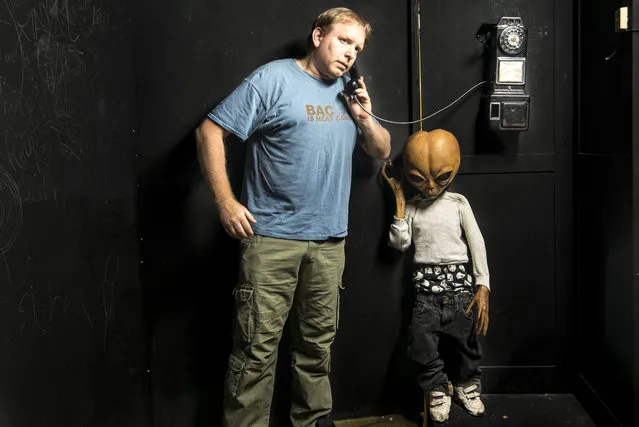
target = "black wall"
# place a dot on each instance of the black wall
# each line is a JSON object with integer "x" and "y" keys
{"x": 519, "y": 185}
{"x": 605, "y": 216}
{"x": 191, "y": 55}
{"x": 72, "y": 349}
{"x": 115, "y": 275}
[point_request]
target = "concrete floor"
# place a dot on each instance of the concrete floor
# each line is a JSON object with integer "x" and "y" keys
{"x": 513, "y": 410}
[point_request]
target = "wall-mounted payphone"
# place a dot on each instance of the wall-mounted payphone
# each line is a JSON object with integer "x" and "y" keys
{"x": 506, "y": 103}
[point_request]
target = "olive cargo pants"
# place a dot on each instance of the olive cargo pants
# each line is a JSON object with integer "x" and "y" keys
{"x": 278, "y": 277}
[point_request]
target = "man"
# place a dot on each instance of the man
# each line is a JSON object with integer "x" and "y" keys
{"x": 293, "y": 215}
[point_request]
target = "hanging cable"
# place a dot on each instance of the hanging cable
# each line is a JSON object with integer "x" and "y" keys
{"x": 427, "y": 117}
{"x": 419, "y": 61}
{"x": 614, "y": 52}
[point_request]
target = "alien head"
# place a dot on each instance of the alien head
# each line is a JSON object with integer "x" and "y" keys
{"x": 431, "y": 161}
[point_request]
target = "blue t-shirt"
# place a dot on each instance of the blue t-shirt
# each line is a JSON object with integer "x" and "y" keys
{"x": 301, "y": 139}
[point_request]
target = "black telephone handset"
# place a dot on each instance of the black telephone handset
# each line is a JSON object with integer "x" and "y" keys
{"x": 349, "y": 88}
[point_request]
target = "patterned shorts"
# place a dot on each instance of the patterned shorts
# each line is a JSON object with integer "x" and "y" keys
{"x": 443, "y": 278}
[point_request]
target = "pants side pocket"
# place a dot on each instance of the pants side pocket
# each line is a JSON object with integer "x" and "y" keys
{"x": 243, "y": 324}
{"x": 235, "y": 373}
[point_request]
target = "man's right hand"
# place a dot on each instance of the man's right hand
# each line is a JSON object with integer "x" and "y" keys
{"x": 236, "y": 219}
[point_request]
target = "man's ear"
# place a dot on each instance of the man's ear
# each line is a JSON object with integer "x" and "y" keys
{"x": 317, "y": 36}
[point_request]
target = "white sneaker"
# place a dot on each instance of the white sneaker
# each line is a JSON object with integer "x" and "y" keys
{"x": 439, "y": 406}
{"x": 470, "y": 399}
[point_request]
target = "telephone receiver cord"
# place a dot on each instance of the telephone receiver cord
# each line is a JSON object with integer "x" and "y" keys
{"x": 427, "y": 117}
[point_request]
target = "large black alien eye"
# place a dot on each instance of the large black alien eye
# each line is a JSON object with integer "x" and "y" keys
{"x": 443, "y": 178}
{"x": 415, "y": 179}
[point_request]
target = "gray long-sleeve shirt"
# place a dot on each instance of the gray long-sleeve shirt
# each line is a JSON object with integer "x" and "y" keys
{"x": 437, "y": 229}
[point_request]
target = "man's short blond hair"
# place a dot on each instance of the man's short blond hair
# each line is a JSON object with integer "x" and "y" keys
{"x": 330, "y": 17}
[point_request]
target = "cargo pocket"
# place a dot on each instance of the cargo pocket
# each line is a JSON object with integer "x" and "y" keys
{"x": 236, "y": 372}
{"x": 243, "y": 325}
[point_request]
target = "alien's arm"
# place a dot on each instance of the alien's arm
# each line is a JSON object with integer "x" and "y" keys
{"x": 476, "y": 244}
{"x": 400, "y": 234}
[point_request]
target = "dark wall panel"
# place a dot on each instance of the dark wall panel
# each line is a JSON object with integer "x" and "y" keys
{"x": 520, "y": 180}
{"x": 72, "y": 349}
{"x": 605, "y": 281}
{"x": 516, "y": 215}
{"x": 606, "y": 86}
{"x": 604, "y": 215}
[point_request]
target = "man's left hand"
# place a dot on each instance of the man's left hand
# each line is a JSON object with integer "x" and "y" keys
{"x": 362, "y": 95}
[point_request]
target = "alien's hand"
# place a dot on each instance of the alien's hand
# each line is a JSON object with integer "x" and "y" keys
{"x": 481, "y": 299}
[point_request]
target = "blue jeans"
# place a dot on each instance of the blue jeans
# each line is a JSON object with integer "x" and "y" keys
{"x": 436, "y": 316}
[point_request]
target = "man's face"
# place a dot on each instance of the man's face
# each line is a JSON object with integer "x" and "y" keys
{"x": 337, "y": 48}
